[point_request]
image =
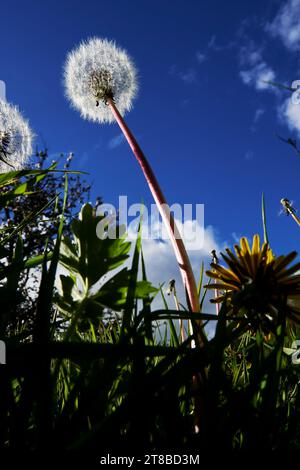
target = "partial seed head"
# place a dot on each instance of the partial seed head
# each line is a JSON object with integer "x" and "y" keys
{"x": 5, "y": 139}
{"x": 15, "y": 138}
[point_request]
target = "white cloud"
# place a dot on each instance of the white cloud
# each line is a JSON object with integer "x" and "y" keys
{"x": 161, "y": 267}
{"x": 255, "y": 70}
{"x": 254, "y": 57}
{"x": 258, "y": 75}
{"x": 264, "y": 74}
{"x": 161, "y": 264}
{"x": 250, "y": 54}
{"x": 116, "y": 141}
{"x": 286, "y": 25}
{"x": 290, "y": 113}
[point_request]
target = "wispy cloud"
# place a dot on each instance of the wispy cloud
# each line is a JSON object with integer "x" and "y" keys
{"x": 250, "y": 54}
{"x": 286, "y": 25}
{"x": 236, "y": 237}
{"x": 217, "y": 47}
{"x": 249, "y": 155}
{"x": 258, "y": 76}
{"x": 201, "y": 57}
{"x": 190, "y": 76}
{"x": 256, "y": 71}
{"x": 116, "y": 141}
{"x": 258, "y": 114}
{"x": 211, "y": 42}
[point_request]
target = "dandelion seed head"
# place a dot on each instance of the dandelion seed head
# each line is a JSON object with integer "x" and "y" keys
{"x": 15, "y": 138}
{"x": 98, "y": 70}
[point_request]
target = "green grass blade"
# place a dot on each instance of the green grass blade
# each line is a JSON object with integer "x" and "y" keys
{"x": 264, "y": 221}
{"x": 42, "y": 337}
{"x": 200, "y": 279}
{"x": 133, "y": 278}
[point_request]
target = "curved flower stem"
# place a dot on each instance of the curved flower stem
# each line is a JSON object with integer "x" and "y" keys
{"x": 176, "y": 240}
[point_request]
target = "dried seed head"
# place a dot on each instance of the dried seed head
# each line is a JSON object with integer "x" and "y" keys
{"x": 101, "y": 85}
{"x": 15, "y": 138}
{"x": 5, "y": 139}
{"x": 98, "y": 70}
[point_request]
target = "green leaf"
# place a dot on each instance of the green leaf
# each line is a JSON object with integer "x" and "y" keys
{"x": 90, "y": 256}
{"x": 113, "y": 294}
{"x": 11, "y": 176}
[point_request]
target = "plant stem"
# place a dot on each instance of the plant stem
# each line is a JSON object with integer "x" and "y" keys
{"x": 216, "y": 296}
{"x": 177, "y": 305}
{"x": 170, "y": 224}
{"x": 296, "y": 219}
{"x": 216, "y": 261}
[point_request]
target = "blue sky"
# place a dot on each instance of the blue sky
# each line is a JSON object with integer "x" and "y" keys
{"x": 203, "y": 115}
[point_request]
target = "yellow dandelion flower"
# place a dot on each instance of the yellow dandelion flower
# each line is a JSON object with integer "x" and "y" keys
{"x": 258, "y": 283}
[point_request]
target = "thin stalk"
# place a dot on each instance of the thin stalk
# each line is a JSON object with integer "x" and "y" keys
{"x": 216, "y": 296}
{"x": 263, "y": 213}
{"x": 172, "y": 290}
{"x": 181, "y": 323}
{"x": 176, "y": 240}
{"x": 296, "y": 219}
{"x": 216, "y": 291}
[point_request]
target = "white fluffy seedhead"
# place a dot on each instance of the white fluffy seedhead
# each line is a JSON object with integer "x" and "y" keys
{"x": 98, "y": 70}
{"x": 15, "y": 138}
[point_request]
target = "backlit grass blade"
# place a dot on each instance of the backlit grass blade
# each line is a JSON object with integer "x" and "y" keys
{"x": 42, "y": 336}
{"x": 264, "y": 220}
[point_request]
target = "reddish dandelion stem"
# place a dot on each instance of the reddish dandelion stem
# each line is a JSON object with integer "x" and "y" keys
{"x": 176, "y": 240}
